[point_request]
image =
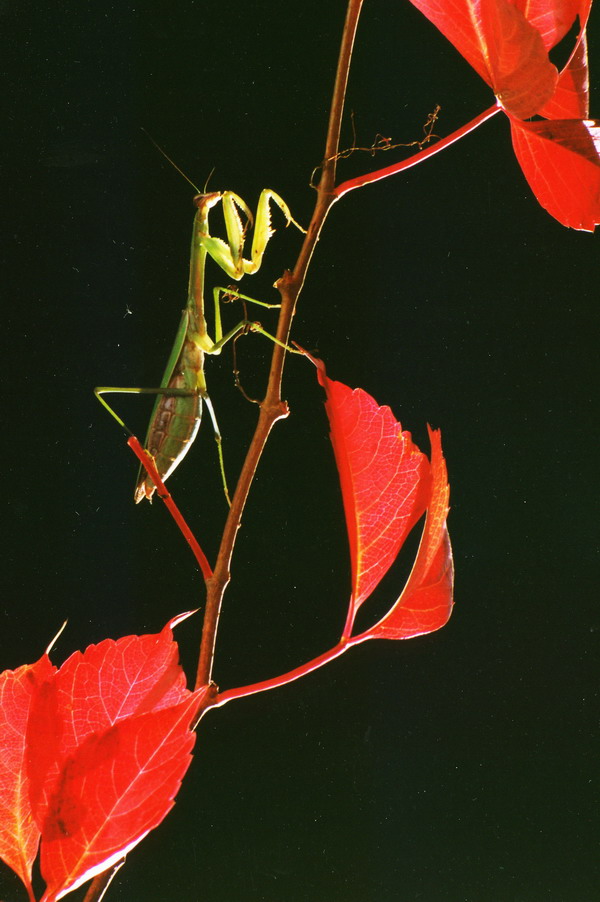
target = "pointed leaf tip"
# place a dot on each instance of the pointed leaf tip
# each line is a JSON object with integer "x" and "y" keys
{"x": 384, "y": 480}
{"x": 426, "y": 601}
{"x": 179, "y": 618}
{"x": 387, "y": 484}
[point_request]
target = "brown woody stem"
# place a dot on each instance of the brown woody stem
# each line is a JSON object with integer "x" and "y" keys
{"x": 273, "y": 407}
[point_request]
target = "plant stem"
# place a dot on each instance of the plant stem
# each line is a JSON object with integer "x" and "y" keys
{"x": 291, "y": 675}
{"x": 273, "y": 407}
{"x": 100, "y": 884}
{"x": 148, "y": 464}
{"x": 379, "y": 174}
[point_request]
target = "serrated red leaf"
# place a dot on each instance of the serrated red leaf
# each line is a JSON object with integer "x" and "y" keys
{"x": 94, "y": 690}
{"x": 384, "y": 480}
{"x": 426, "y": 602}
{"x": 107, "y": 742}
{"x": 19, "y": 834}
{"x": 118, "y": 785}
{"x": 561, "y": 161}
{"x": 505, "y": 49}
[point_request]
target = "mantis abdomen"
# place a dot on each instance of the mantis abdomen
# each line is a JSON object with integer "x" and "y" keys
{"x": 176, "y": 418}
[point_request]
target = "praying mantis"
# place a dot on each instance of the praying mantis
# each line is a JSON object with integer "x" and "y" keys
{"x": 177, "y": 412}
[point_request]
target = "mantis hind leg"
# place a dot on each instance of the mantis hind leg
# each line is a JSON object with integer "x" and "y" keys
{"x": 120, "y": 390}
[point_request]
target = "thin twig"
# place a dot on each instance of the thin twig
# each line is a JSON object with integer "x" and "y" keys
{"x": 381, "y": 144}
{"x": 100, "y": 884}
{"x": 388, "y": 171}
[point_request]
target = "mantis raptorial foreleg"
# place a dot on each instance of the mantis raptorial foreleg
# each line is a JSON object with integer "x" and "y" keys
{"x": 178, "y": 408}
{"x": 229, "y": 254}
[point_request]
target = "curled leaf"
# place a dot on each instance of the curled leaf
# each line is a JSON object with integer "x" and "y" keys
{"x": 426, "y": 602}
{"x": 387, "y": 484}
{"x": 571, "y": 98}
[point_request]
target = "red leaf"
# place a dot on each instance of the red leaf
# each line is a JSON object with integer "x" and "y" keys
{"x": 505, "y": 49}
{"x": 19, "y": 835}
{"x": 561, "y": 161}
{"x": 109, "y": 741}
{"x": 116, "y": 679}
{"x": 425, "y": 604}
{"x": 387, "y": 484}
{"x": 552, "y": 18}
{"x": 95, "y": 689}
{"x": 506, "y": 41}
{"x": 571, "y": 98}
{"x": 384, "y": 479}
{"x": 117, "y": 786}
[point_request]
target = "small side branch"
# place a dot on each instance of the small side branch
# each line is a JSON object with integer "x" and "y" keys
{"x": 291, "y": 675}
{"x": 381, "y": 144}
{"x": 165, "y": 496}
{"x": 379, "y": 174}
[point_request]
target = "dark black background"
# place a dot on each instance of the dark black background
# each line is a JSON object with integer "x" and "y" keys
{"x": 456, "y": 767}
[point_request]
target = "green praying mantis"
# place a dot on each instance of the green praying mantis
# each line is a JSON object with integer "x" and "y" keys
{"x": 177, "y": 412}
